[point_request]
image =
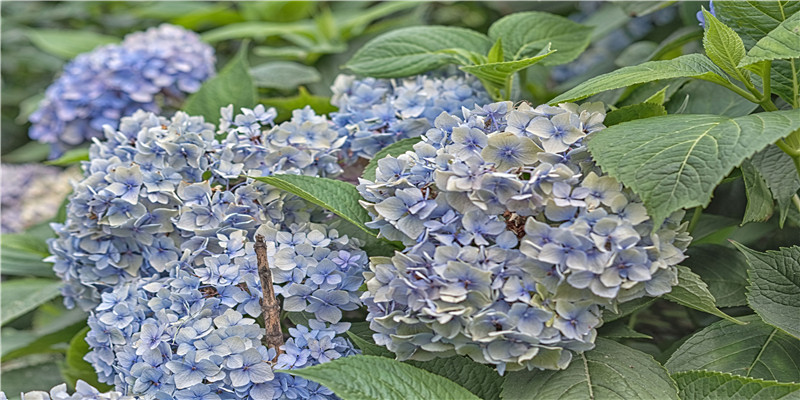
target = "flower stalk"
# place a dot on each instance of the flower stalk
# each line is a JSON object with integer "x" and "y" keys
{"x": 269, "y": 304}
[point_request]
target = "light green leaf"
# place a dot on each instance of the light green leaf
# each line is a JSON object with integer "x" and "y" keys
{"x": 256, "y": 30}
{"x": 496, "y": 52}
{"x": 22, "y": 254}
{"x": 498, "y": 73}
{"x": 394, "y": 150}
{"x": 74, "y": 156}
{"x": 337, "y": 196}
{"x": 692, "y": 292}
{"x": 783, "y": 42}
{"x": 634, "y": 111}
{"x": 676, "y": 161}
{"x": 701, "y": 97}
{"x": 642, "y": 8}
{"x": 285, "y": 105}
{"x": 20, "y": 296}
{"x": 609, "y": 371}
{"x": 283, "y": 75}
{"x": 707, "y": 385}
{"x": 525, "y": 34}
{"x": 690, "y": 65}
{"x": 755, "y": 350}
{"x": 414, "y": 50}
{"x": 233, "y": 85}
{"x": 779, "y": 172}
{"x": 724, "y": 270}
{"x": 723, "y": 46}
{"x": 68, "y": 44}
{"x": 479, "y": 379}
{"x": 774, "y": 291}
{"x": 370, "y": 377}
{"x": 759, "y": 200}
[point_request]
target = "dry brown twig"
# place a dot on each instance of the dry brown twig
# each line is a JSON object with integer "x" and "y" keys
{"x": 269, "y": 304}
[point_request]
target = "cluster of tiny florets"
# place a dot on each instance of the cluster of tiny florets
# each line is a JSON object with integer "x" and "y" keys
{"x": 32, "y": 194}
{"x": 83, "y": 391}
{"x": 515, "y": 239}
{"x": 374, "y": 113}
{"x": 159, "y": 247}
{"x": 146, "y": 71}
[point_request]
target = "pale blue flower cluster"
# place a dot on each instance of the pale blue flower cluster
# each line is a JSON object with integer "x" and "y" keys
{"x": 159, "y": 247}
{"x": 515, "y": 239}
{"x": 83, "y": 391}
{"x": 32, "y": 194}
{"x": 374, "y": 113}
{"x": 146, "y": 71}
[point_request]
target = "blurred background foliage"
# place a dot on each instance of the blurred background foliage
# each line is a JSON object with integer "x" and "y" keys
{"x": 295, "y": 52}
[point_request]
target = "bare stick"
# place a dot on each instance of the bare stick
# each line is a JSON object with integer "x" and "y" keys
{"x": 269, "y": 304}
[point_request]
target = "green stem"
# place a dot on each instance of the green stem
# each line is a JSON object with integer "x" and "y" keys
{"x": 698, "y": 211}
{"x": 741, "y": 92}
{"x": 509, "y": 85}
{"x": 766, "y": 99}
{"x": 796, "y": 201}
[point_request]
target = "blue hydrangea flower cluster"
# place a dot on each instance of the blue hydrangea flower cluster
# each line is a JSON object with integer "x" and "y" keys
{"x": 148, "y": 69}
{"x": 83, "y": 391}
{"x": 32, "y": 194}
{"x": 515, "y": 239}
{"x": 159, "y": 247}
{"x": 374, "y": 113}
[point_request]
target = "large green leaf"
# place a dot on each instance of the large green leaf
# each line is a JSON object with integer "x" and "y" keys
{"x": 525, "y": 34}
{"x": 370, "y": 377}
{"x": 609, "y": 371}
{"x": 783, "y": 42}
{"x": 68, "y": 44}
{"x": 20, "y": 296}
{"x": 690, "y": 65}
{"x": 724, "y": 270}
{"x": 337, "y": 196}
{"x": 707, "y": 385}
{"x": 676, "y": 161}
{"x": 692, "y": 292}
{"x": 283, "y": 75}
{"x": 774, "y": 291}
{"x": 74, "y": 156}
{"x": 723, "y": 46}
{"x": 233, "y": 85}
{"x": 22, "y": 254}
{"x": 778, "y": 170}
{"x": 755, "y": 350}
{"x": 759, "y": 199}
{"x": 414, "y": 50}
{"x": 634, "y": 111}
{"x": 498, "y": 73}
{"x": 701, "y": 97}
{"x": 394, "y": 149}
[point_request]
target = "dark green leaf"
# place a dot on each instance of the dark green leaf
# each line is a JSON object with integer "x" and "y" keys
{"x": 283, "y": 75}
{"x": 759, "y": 199}
{"x": 68, "y": 44}
{"x": 783, "y": 42}
{"x": 774, "y": 291}
{"x": 701, "y": 97}
{"x": 610, "y": 371}
{"x": 418, "y": 49}
{"x": 676, "y": 161}
{"x": 627, "y": 308}
{"x": 634, "y": 111}
{"x": 620, "y": 330}
{"x": 525, "y": 34}
{"x": 779, "y": 172}
{"x": 20, "y": 296}
{"x": 714, "y": 229}
{"x": 707, "y": 385}
{"x": 394, "y": 149}
{"x": 380, "y": 378}
{"x": 74, "y": 156}
{"x": 692, "y": 292}
{"x": 723, "y": 269}
{"x": 755, "y": 350}
{"x": 233, "y": 85}
{"x": 361, "y": 336}
{"x": 690, "y": 65}
{"x": 676, "y": 40}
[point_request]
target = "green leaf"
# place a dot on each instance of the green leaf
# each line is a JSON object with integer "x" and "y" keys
{"x": 723, "y": 46}
{"x": 610, "y": 370}
{"x": 283, "y": 75}
{"x": 703, "y": 385}
{"x": 285, "y": 105}
{"x": 759, "y": 198}
{"x": 676, "y": 40}
{"x": 233, "y": 85}
{"x": 755, "y": 350}
{"x": 627, "y": 308}
{"x": 67, "y": 44}
{"x": 713, "y": 229}
{"x": 692, "y": 292}
{"x": 337, "y": 196}
{"x": 35, "y": 372}
{"x": 774, "y": 291}
{"x": 783, "y": 42}
{"x": 779, "y": 172}
{"x": 483, "y": 381}
{"x": 690, "y": 65}
{"x": 41, "y": 343}
{"x": 256, "y": 30}
{"x": 361, "y": 336}
{"x": 70, "y": 157}
{"x": 525, "y": 34}
{"x": 642, "y": 8}
{"x": 620, "y": 330}
{"x": 635, "y": 53}
{"x": 414, "y": 50}
{"x": 498, "y": 73}
{"x": 724, "y": 270}
{"x": 78, "y": 368}
{"x": 371, "y": 377}
{"x": 394, "y": 149}
{"x": 20, "y": 296}
{"x": 496, "y": 52}
{"x": 22, "y": 254}
{"x": 701, "y": 97}
{"x": 634, "y": 111}
{"x": 676, "y": 161}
